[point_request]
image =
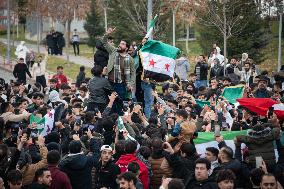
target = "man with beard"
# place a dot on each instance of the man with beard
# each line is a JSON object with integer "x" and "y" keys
{"x": 262, "y": 91}
{"x": 120, "y": 68}
{"x": 127, "y": 181}
{"x": 246, "y": 73}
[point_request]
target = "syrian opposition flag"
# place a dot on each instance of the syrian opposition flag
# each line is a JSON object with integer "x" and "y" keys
{"x": 260, "y": 106}
{"x": 233, "y": 93}
{"x": 158, "y": 60}
{"x": 121, "y": 128}
{"x": 151, "y": 27}
{"x": 279, "y": 110}
{"x": 46, "y": 124}
{"x": 202, "y": 103}
{"x": 207, "y": 139}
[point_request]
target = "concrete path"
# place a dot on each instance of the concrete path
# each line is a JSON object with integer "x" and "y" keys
{"x": 80, "y": 60}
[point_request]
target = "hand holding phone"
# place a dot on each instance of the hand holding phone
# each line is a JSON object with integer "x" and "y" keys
{"x": 258, "y": 161}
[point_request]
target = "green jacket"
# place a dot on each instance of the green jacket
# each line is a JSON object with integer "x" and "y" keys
{"x": 260, "y": 146}
{"x": 112, "y": 54}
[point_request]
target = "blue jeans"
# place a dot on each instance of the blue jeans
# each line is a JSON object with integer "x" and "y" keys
{"x": 148, "y": 98}
{"x": 199, "y": 83}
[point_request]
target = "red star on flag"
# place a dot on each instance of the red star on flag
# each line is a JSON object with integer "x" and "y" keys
{"x": 167, "y": 66}
{"x": 50, "y": 114}
{"x": 152, "y": 63}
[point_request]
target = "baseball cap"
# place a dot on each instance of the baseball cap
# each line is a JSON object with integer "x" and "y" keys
{"x": 106, "y": 147}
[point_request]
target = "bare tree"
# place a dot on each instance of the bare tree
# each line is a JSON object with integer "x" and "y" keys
{"x": 63, "y": 11}
{"x": 187, "y": 14}
{"x": 216, "y": 13}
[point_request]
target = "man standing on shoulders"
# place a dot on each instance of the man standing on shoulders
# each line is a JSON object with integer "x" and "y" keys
{"x": 120, "y": 68}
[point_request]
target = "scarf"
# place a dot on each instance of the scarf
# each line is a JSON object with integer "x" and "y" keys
{"x": 117, "y": 70}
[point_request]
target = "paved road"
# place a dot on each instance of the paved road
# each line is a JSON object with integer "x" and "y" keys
{"x": 80, "y": 60}
{"x": 6, "y": 75}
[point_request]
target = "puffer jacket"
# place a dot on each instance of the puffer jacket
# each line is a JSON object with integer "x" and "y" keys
{"x": 156, "y": 161}
{"x": 261, "y": 145}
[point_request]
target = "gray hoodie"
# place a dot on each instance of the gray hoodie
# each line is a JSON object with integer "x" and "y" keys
{"x": 182, "y": 68}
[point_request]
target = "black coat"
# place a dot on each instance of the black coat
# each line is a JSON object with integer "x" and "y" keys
{"x": 107, "y": 175}
{"x": 101, "y": 56}
{"x": 49, "y": 41}
{"x": 79, "y": 170}
{"x": 20, "y": 71}
{"x": 192, "y": 183}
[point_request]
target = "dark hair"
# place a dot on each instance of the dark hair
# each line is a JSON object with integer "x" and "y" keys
{"x": 256, "y": 176}
{"x": 128, "y": 176}
{"x": 203, "y": 161}
{"x": 64, "y": 86}
{"x": 183, "y": 113}
{"x": 14, "y": 176}
{"x": 145, "y": 151}
{"x": 97, "y": 70}
{"x": 21, "y": 59}
{"x": 82, "y": 68}
{"x": 59, "y": 67}
{"x": 75, "y": 147}
{"x": 188, "y": 149}
{"x": 4, "y": 107}
{"x": 176, "y": 184}
{"x": 36, "y": 95}
{"x": 225, "y": 174}
{"x": 268, "y": 175}
{"x": 133, "y": 167}
{"x": 53, "y": 157}
{"x": 130, "y": 147}
{"x": 83, "y": 88}
{"x": 52, "y": 80}
{"x": 213, "y": 150}
{"x": 127, "y": 43}
{"x": 39, "y": 173}
{"x": 156, "y": 143}
{"x": 120, "y": 147}
{"x": 228, "y": 151}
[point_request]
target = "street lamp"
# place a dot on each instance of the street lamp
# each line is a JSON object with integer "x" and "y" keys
{"x": 280, "y": 36}
{"x": 105, "y": 5}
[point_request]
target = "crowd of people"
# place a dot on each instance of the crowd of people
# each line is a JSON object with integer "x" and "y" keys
{"x": 119, "y": 129}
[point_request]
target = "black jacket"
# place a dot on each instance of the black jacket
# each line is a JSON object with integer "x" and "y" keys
{"x": 192, "y": 183}
{"x": 101, "y": 56}
{"x": 80, "y": 78}
{"x": 201, "y": 71}
{"x": 20, "y": 71}
{"x": 106, "y": 175}
{"x": 79, "y": 167}
{"x": 182, "y": 167}
{"x": 99, "y": 89}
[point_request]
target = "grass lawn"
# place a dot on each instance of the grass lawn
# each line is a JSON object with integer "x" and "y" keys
{"x": 71, "y": 70}
{"x": 3, "y": 51}
{"x": 271, "y": 51}
{"x": 85, "y": 51}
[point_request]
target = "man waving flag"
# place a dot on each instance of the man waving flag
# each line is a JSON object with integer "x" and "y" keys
{"x": 158, "y": 60}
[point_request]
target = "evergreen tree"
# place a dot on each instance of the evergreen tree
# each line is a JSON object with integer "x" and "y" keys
{"x": 93, "y": 25}
{"x": 251, "y": 39}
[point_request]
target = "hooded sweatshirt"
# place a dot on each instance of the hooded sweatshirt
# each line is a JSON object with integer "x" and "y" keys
{"x": 123, "y": 162}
